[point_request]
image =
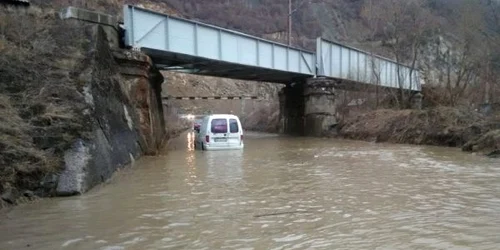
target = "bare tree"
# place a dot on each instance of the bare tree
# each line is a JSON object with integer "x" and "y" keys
{"x": 403, "y": 26}
{"x": 464, "y": 57}
{"x": 372, "y": 16}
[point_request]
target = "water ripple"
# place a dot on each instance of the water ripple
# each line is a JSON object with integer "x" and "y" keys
{"x": 279, "y": 193}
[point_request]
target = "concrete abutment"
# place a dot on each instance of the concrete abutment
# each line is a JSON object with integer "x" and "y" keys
{"x": 311, "y": 107}
{"x": 416, "y": 101}
{"x": 122, "y": 90}
{"x": 292, "y": 109}
{"x": 320, "y": 108}
{"x": 142, "y": 82}
{"x": 308, "y": 107}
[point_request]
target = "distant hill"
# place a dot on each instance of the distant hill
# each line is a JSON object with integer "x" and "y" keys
{"x": 339, "y": 20}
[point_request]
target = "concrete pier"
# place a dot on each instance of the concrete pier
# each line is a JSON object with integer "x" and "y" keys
{"x": 416, "y": 101}
{"x": 311, "y": 107}
{"x": 308, "y": 108}
{"x": 319, "y": 103}
{"x": 292, "y": 109}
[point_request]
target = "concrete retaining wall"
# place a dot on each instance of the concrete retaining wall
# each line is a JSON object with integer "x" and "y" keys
{"x": 124, "y": 111}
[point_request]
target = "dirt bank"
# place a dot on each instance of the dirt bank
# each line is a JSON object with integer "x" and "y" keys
{"x": 22, "y": 164}
{"x": 440, "y": 126}
{"x": 488, "y": 143}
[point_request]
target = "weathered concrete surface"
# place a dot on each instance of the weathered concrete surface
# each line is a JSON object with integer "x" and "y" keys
{"x": 319, "y": 97}
{"x": 125, "y": 117}
{"x": 309, "y": 108}
{"x": 416, "y": 101}
{"x": 108, "y": 23}
{"x": 88, "y": 16}
{"x": 143, "y": 84}
{"x": 282, "y": 114}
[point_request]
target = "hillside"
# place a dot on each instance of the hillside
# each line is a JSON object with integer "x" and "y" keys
{"x": 341, "y": 20}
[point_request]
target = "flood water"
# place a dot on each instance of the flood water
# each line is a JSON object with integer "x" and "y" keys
{"x": 278, "y": 193}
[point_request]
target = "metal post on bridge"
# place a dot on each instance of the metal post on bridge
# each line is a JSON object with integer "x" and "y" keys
{"x": 290, "y": 13}
{"x": 289, "y": 21}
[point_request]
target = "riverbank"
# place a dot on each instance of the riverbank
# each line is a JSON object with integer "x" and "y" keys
{"x": 439, "y": 126}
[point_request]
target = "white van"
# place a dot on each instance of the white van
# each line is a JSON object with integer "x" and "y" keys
{"x": 219, "y": 132}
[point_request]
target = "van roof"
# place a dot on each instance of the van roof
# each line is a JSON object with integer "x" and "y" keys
{"x": 222, "y": 116}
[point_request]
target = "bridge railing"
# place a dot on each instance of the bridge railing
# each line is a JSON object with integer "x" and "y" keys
{"x": 152, "y": 30}
{"x": 343, "y": 62}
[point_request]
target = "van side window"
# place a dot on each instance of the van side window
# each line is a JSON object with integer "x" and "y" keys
{"x": 233, "y": 126}
{"x": 219, "y": 126}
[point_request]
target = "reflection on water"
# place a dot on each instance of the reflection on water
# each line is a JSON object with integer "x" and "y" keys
{"x": 277, "y": 193}
{"x": 190, "y": 141}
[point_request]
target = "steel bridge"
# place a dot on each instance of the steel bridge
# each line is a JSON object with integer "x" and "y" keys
{"x": 185, "y": 45}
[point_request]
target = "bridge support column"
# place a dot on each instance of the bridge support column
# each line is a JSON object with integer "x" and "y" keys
{"x": 292, "y": 109}
{"x": 143, "y": 82}
{"x": 319, "y": 102}
{"x": 416, "y": 101}
{"x": 282, "y": 118}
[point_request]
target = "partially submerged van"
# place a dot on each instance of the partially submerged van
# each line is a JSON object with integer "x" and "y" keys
{"x": 219, "y": 132}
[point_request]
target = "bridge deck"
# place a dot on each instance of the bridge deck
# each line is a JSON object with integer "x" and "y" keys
{"x": 180, "y": 44}
{"x": 175, "y": 43}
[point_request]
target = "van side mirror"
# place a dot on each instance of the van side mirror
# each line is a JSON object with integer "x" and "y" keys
{"x": 197, "y": 130}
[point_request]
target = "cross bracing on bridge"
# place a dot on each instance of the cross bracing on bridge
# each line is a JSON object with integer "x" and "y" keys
{"x": 179, "y": 44}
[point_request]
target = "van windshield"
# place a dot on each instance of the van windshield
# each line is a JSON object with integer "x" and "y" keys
{"x": 219, "y": 126}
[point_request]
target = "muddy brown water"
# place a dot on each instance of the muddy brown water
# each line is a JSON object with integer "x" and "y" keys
{"x": 278, "y": 193}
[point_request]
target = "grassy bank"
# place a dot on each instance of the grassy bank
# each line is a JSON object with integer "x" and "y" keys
{"x": 38, "y": 99}
{"x": 23, "y": 165}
